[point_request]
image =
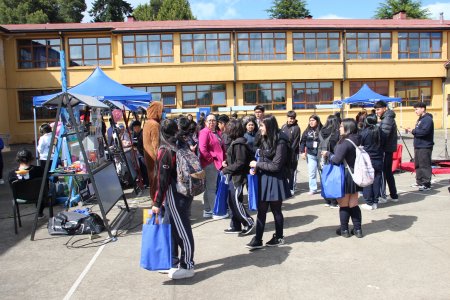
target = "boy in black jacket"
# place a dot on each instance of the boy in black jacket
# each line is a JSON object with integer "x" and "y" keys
{"x": 423, "y": 146}
{"x": 292, "y": 130}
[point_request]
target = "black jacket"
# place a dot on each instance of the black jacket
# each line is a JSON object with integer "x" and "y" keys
{"x": 293, "y": 132}
{"x": 373, "y": 148}
{"x": 138, "y": 142}
{"x": 389, "y": 131}
{"x": 307, "y": 141}
{"x": 345, "y": 150}
{"x": 250, "y": 137}
{"x": 325, "y": 133}
{"x": 274, "y": 165}
{"x": 424, "y": 132}
{"x": 238, "y": 160}
{"x": 33, "y": 172}
{"x": 166, "y": 173}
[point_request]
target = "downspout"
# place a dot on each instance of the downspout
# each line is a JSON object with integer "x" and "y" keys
{"x": 344, "y": 67}
{"x": 234, "y": 68}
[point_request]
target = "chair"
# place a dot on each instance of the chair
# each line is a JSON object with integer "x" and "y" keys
{"x": 25, "y": 192}
{"x": 397, "y": 158}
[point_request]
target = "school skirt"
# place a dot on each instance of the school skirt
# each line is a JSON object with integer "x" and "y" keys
{"x": 273, "y": 187}
{"x": 350, "y": 186}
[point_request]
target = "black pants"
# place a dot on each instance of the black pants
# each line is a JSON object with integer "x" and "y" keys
{"x": 293, "y": 175}
{"x": 422, "y": 164}
{"x": 372, "y": 192}
{"x": 239, "y": 216}
{"x": 1, "y": 165}
{"x": 143, "y": 169}
{"x": 179, "y": 206}
{"x": 275, "y": 207}
{"x": 389, "y": 176}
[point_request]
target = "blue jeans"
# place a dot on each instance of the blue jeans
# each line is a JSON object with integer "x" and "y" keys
{"x": 312, "y": 172}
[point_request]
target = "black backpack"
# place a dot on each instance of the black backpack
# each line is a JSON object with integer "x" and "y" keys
{"x": 72, "y": 223}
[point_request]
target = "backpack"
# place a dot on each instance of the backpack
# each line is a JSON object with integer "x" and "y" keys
{"x": 71, "y": 223}
{"x": 364, "y": 173}
{"x": 324, "y": 145}
{"x": 190, "y": 174}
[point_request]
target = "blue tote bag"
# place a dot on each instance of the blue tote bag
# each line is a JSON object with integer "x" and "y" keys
{"x": 156, "y": 250}
{"x": 252, "y": 192}
{"x": 221, "y": 201}
{"x": 333, "y": 181}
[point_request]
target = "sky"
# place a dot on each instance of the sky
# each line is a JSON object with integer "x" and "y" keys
{"x": 319, "y": 9}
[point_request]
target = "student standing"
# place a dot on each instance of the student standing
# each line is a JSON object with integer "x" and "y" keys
{"x": 272, "y": 179}
{"x": 177, "y": 204}
{"x": 348, "y": 205}
{"x": 250, "y": 133}
{"x": 423, "y": 146}
{"x": 308, "y": 149}
{"x": 292, "y": 130}
{"x": 44, "y": 144}
{"x": 237, "y": 166}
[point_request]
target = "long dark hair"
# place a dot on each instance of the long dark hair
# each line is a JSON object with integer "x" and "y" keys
{"x": 270, "y": 140}
{"x": 234, "y": 129}
{"x": 319, "y": 124}
{"x": 332, "y": 123}
{"x": 370, "y": 124}
{"x": 350, "y": 127}
{"x": 168, "y": 132}
{"x": 252, "y": 120}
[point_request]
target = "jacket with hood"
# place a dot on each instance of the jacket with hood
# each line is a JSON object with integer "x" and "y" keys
{"x": 275, "y": 164}
{"x": 424, "y": 132}
{"x": 239, "y": 156}
{"x": 150, "y": 134}
{"x": 389, "y": 131}
{"x": 294, "y": 134}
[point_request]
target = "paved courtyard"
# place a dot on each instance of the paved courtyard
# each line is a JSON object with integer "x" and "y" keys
{"x": 405, "y": 253}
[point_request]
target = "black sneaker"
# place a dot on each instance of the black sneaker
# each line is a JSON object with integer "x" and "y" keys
{"x": 343, "y": 233}
{"x": 254, "y": 244}
{"x": 247, "y": 230}
{"x": 232, "y": 231}
{"x": 357, "y": 232}
{"x": 423, "y": 188}
{"x": 275, "y": 242}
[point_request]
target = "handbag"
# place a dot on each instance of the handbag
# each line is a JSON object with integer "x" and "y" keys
{"x": 252, "y": 192}
{"x": 221, "y": 201}
{"x": 333, "y": 181}
{"x": 156, "y": 249}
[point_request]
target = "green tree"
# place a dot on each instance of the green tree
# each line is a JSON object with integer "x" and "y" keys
{"x": 288, "y": 9}
{"x": 110, "y": 10}
{"x": 175, "y": 10}
{"x": 147, "y": 12}
{"x": 412, "y": 8}
{"x": 41, "y": 11}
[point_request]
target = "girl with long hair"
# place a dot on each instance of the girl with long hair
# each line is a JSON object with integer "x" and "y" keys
{"x": 345, "y": 152}
{"x": 308, "y": 148}
{"x": 272, "y": 178}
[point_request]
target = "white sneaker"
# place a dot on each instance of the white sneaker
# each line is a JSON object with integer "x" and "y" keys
{"x": 393, "y": 200}
{"x": 217, "y": 217}
{"x": 327, "y": 205}
{"x": 311, "y": 192}
{"x": 2, "y": 181}
{"x": 366, "y": 206}
{"x": 415, "y": 185}
{"x": 207, "y": 214}
{"x": 374, "y": 206}
{"x": 181, "y": 273}
{"x": 382, "y": 200}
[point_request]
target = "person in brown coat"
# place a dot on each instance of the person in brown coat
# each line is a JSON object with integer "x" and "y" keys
{"x": 150, "y": 136}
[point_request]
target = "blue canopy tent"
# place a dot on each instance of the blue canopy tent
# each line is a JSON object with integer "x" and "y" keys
{"x": 366, "y": 96}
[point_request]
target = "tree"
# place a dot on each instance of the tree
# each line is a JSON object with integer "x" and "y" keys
{"x": 147, "y": 12}
{"x": 41, "y": 11}
{"x": 412, "y": 8}
{"x": 175, "y": 10}
{"x": 110, "y": 10}
{"x": 288, "y": 9}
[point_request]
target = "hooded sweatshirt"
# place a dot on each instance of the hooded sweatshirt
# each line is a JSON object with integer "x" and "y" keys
{"x": 389, "y": 131}
{"x": 293, "y": 132}
{"x": 151, "y": 129}
{"x": 424, "y": 132}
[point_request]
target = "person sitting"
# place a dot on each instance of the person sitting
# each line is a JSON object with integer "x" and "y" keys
{"x": 26, "y": 171}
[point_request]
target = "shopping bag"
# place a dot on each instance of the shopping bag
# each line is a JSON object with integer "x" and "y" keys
{"x": 156, "y": 249}
{"x": 252, "y": 191}
{"x": 333, "y": 181}
{"x": 221, "y": 201}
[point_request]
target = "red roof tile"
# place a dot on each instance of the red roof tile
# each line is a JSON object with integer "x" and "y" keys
{"x": 233, "y": 25}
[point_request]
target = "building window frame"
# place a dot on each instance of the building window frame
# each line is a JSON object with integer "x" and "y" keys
{"x": 413, "y": 45}
{"x": 79, "y": 55}
{"x": 25, "y": 105}
{"x": 308, "y": 94}
{"x": 192, "y": 95}
{"x": 369, "y": 45}
{"x": 205, "y": 47}
{"x": 378, "y": 86}
{"x": 148, "y": 45}
{"x": 165, "y": 93}
{"x": 32, "y": 47}
{"x": 261, "y": 46}
{"x": 311, "y": 45}
{"x": 412, "y": 91}
{"x": 254, "y": 93}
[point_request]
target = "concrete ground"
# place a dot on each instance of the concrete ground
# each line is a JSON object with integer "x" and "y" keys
{"x": 405, "y": 253}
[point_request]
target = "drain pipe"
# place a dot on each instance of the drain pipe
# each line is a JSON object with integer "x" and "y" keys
{"x": 344, "y": 67}
{"x": 234, "y": 68}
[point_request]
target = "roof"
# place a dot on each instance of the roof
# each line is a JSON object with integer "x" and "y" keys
{"x": 238, "y": 25}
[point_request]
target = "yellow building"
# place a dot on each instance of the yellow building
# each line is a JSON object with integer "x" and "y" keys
{"x": 281, "y": 64}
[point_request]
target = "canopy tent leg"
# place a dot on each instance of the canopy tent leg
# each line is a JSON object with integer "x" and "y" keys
{"x": 35, "y": 135}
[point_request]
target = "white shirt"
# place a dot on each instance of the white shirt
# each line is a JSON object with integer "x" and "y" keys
{"x": 44, "y": 145}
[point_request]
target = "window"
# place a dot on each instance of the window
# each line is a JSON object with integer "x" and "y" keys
{"x": 204, "y": 95}
{"x": 166, "y": 93}
{"x": 308, "y": 94}
{"x": 316, "y": 45}
{"x": 90, "y": 51}
{"x": 381, "y": 87}
{"x": 419, "y": 45}
{"x": 147, "y": 48}
{"x": 205, "y": 47}
{"x": 412, "y": 91}
{"x": 26, "y": 105}
{"x": 369, "y": 45}
{"x": 39, "y": 53}
{"x": 262, "y": 46}
{"x": 271, "y": 95}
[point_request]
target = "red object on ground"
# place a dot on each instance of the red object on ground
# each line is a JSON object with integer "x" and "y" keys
{"x": 397, "y": 158}
{"x": 437, "y": 167}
